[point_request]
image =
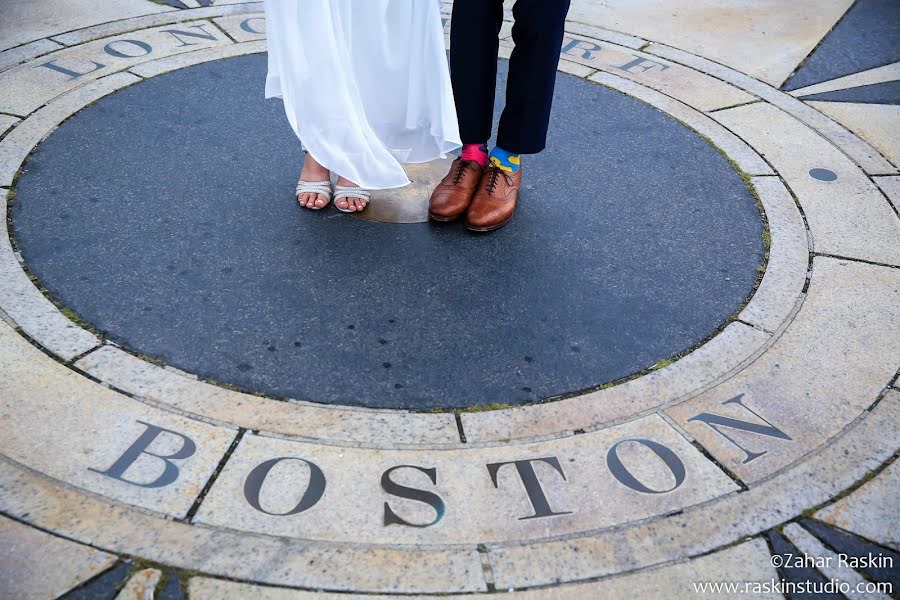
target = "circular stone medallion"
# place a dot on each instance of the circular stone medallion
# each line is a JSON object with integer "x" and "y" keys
{"x": 164, "y": 216}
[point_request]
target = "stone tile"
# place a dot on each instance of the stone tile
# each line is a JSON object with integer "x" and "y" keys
{"x": 847, "y": 217}
{"x": 179, "y": 61}
{"x": 871, "y": 511}
{"x": 225, "y": 553}
{"x": 742, "y": 154}
{"x": 746, "y": 562}
{"x": 21, "y": 301}
{"x": 141, "y": 585}
{"x": 6, "y": 122}
{"x": 26, "y": 87}
{"x": 26, "y": 553}
{"x": 699, "y": 530}
{"x": 891, "y": 188}
{"x": 59, "y": 423}
{"x": 94, "y": 32}
{"x": 830, "y": 365}
{"x": 473, "y": 508}
{"x": 858, "y": 550}
{"x": 605, "y": 35}
{"x": 19, "y": 54}
{"x": 786, "y": 270}
{"x": 148, "y": 381}
{"x": 16, "y": 146}
{"x": 26, "y": 20}
{"x": 878, "y": 124}
{"x": 244, "y": 27}
{"x": 703, "y": 367}
{"x": 882, "y": 74}
{"x": 691, "y": 87}
{"x": 832, "y": 568}
{"x": 765, "y": 39}
{"x": 859, "y": 150}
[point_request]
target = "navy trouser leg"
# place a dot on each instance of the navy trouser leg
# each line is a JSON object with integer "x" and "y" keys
{"x": 474, "y": 43}
{"x": 538, "y": 35}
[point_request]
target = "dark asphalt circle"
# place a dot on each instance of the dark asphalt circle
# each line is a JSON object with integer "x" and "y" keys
{"x": 164, "y": 216}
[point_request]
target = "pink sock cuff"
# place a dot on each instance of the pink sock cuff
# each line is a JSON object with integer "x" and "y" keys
{"x": 475, "y": 152}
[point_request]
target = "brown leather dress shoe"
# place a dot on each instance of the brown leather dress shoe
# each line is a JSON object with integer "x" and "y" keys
{"x": 495, "y": 200}
{"x": 454, "y": 193}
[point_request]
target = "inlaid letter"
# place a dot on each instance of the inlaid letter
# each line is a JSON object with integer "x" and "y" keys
{"x": 525, "y": 469}
{"x": 70, "y": 73}
{"x": 245, "y": 25}
{"x": 143, "y": 47}
{"x": 177, "y": 33}
{"x": 141, "y": 446}
{"x": 642, "y": 64}
{"x": 586, "y": 48}
{"x": 717, "y": 421}
{"x": 313, "y": 493}
{"x": 620, "y": 472}
{"x": 402, "y": 491}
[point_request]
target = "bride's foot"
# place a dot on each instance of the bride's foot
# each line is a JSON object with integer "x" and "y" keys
{"x": 349, "y": 202}
{"x": 313, "y": 172}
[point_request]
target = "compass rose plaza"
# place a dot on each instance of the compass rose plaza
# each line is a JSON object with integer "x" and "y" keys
{"x": 673, "y": 375}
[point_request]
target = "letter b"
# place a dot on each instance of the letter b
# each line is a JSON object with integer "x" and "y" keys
{"x": 140, "y": 446}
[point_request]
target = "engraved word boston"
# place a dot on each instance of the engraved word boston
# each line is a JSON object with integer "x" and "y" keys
{"x": 638, "y": 464}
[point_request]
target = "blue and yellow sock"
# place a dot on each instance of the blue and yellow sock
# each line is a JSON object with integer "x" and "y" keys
{"x": 506, "y": 160}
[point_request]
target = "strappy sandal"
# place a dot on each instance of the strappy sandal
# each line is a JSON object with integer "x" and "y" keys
{"x": 314, "y": 187}
{"x": 349, "y": 191}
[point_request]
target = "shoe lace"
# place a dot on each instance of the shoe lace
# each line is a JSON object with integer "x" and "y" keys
{"x": 494, "y": 173}
{"x": 461, "y": 167}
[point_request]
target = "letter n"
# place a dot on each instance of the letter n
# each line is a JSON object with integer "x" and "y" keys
{"x": 718, "y": 422}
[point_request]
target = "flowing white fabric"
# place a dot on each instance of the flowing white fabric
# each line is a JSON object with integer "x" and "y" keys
{"x": 365, "y": 84}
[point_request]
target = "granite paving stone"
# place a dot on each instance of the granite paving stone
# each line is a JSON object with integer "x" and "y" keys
{"x": 848, "y": 216}
{"x": 786, "y": 270}
{"x": 891, "y": 188}
{"x": 766, "y": 39}
{"x": 20, "y": 54}
{"x": 6, "y": 122}
{"x": 745, "y": 562}
{"x": 22, "y": 21}
{"x": 828, "y": 472}
{"x": 226, "y": 553}
{"x": 102, "y": 587}
{"x": 871, "y": 511}
{"x": 29, "y": 86}
{"x": 831, "y": 567}
{"x": 691, "y": 87}
{"x": 244, "y": 27}
{"x": 703, "y": 367}
{"x": 552, "y": 313}
{"x": 859, "y": 150}
{"x": 141, "y": 585}
{"x": 146, "y": 380}
{"x": 86, "y": 34}
{"x": 96, "y": 437}
{"x": 866, "y": 37}
{"x": 475, "y": 502}
{"x": 878, "y": 124}
{"x": 180, "y": 61}
{"x": 24, "y": 568}
{"x": 881, "y": 74}
{"x": 878, "y": 93}
{"x": 828, "y": 367}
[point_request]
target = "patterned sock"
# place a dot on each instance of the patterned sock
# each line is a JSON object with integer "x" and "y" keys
{"x": 476, "y": 152}
{"x": 505, "y": 160}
